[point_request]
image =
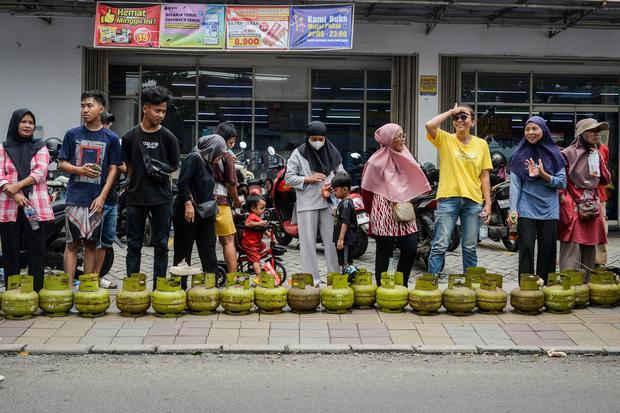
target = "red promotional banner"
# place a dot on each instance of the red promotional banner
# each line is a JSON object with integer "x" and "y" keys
{"x": 127, "y": 26}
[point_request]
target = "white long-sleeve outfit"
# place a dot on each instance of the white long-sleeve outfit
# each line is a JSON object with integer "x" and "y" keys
{"x": 312, "y": 215}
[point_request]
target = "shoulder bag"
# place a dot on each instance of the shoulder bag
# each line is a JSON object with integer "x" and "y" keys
{"x": 157, "y": 170}
{"x": 403, "y": 212}
{"x": 207, "y": 209}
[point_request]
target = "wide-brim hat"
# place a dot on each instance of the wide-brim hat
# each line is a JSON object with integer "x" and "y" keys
{"x": 589, "y": 124}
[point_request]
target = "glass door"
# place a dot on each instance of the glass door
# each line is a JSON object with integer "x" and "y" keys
{"x": 561, "y": 121}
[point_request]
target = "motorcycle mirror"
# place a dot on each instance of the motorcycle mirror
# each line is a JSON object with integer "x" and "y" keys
{"x": 243, "y": 145}
{"x": 271, "y": 151}
{"x": 355, "y": 155}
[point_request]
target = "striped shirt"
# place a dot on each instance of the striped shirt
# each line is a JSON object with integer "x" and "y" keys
{"x": 382, "y": 221}
{"x": 39, "y": 198}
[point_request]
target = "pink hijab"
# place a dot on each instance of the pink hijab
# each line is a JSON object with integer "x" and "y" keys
{"x": 394, "y": 175}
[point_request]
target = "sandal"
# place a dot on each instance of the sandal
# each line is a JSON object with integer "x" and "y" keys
{"x": 103, "y": 283}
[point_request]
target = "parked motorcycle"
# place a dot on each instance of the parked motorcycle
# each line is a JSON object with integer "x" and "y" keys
{"x": 121, "y": 221}
{"x": 498, "y": 229}
{"x": 283, "y": 197}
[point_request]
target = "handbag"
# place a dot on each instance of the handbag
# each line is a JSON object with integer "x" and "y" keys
{"x": 207, "y": 209}
{"x": 157, "y": 170}
{"x": 588, "y": 206}
{"x": 403, "y": 212}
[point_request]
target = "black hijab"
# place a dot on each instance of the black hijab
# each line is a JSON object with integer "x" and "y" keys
{"x": 326, "y": 159}
{"x": 21, "y": 150}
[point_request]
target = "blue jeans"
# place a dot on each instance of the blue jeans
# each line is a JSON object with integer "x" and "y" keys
{"x": 448, "y": 211}
{"x": 108, "y": 226}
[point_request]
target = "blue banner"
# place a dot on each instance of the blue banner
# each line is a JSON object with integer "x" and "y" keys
{"x": 321, "y": 27}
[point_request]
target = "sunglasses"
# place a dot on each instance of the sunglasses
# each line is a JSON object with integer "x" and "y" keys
{"x": 460, "y": 116}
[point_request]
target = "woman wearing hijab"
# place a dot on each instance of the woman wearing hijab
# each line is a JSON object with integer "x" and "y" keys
{"x": 23, "y": 171}
{"x": 392, "y": 175}
{"x": 581, "y": 226}
{"x": 536, "y": 174}
{"x": 195, "y": 186}
{"x": 310, "y": 166}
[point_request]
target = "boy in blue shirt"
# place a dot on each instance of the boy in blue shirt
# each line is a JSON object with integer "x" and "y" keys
{"x": 90, "y": 154}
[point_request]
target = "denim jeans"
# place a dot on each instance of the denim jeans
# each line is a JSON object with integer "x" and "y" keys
{"x": 448, "y": 211}
{"x": 108, "y": 226}
{"x": 160, "y": 232}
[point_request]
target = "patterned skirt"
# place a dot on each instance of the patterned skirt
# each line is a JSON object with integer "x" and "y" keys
{"x": 382, "y": 221}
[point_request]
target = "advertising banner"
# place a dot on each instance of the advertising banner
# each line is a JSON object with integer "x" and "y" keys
{"x": 192, "y": 25}
{"x": 127, "y": 26}
{"x": 321, "y": 27}
{"x": 256, "y": 28}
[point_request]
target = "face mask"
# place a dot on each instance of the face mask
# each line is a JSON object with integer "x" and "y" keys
{"x": 317, "y": 144}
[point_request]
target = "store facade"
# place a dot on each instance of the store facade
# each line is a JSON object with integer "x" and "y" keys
{"x": 507, "y": 74}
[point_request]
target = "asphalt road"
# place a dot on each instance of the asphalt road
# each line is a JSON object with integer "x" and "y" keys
{"x": 339, "y": 383}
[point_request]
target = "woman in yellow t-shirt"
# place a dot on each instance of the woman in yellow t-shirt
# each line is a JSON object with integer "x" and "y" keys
{"x": 464, "y": 185}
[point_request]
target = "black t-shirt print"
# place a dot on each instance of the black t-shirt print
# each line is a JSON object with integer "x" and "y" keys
{"x": 345, "y": 214}
{"x": 161, "y": 145}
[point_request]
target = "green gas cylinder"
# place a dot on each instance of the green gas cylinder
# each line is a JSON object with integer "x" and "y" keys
{"x": 559, "y": 294}
{"x": 303, "y": 296}
{"x": 490, "y": 297}
{"x": 338, "y": 297}
{"x": 475, "y": 276}
{"x": 91, "y": 300}
{"x": 604, "y": 291}
{"x": 582, "y": 290}
{"x": 527, "y": 298}
{"x": 20, "y": 302}
{"x": 268, "y": 298}
{"x": 237, "y": 298}
{"x": 56, "y": 297}
{"x": 458, "y": 298}
{"x": 169, "y": 300}
{"x": 364, "y": 291}
{"x": 203, "y": 298}
{"x": 425, "y": 298}
{"x": 133, "y": 299}
{"x": 392, "y": 296}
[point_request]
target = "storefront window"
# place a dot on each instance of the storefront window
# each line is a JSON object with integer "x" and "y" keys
{"x": 503, "y": 87}
{"x": 338, "y": 84}
{"x": 126, "y": 114}
{"x": 181, "y": 120}
{"x": 576, "y": 89}
{"x": 502, "y": 127}
{"x": 181, "y": 82}
{"x": 212, "y": 112}
{"x": 124, "y": 80}
{"x": 225, "y": 83}
{"x": 468, "y": 87}
{"x": 377, "y": 115}
{"x": 378, "y": 84}
{"x": 280, "y": 124}
{"x": 344, "y": 123}
{"x": 281, "y": 83}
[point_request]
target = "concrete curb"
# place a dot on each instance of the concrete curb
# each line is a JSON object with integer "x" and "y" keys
{"x": 254, "y": 349}
{"x": 381, "y": 348}
{"x": 581, "y": 350}
{"x": 80, "y": 349}
{"x": 189, "y": 348}
{"x": 67, "y": 349}
{"x": 462, "y": 349}
{"x": 319, "y": 348}
{"x": 124, "y": 349}
{"x": 509, "y": 350}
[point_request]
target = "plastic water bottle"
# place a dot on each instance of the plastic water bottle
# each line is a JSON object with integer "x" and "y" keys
{"x": 391, "y": 270}
{"x": 32, "y": 219}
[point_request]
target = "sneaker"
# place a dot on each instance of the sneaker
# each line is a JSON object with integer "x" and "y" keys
{"x": 2, "y": 379}
{"x": 107, "y": 284}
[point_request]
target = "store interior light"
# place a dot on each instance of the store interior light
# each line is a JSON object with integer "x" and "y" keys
{"x": 231, "y": 86}
{"x": 564, "y": 93}
{"x": 520, "y": 92}
{"x": 184, "y": 84}
{"x": 271, "y": 77}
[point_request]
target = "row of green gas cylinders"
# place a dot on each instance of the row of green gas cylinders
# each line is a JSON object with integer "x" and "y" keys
{"x": 476, "y": 289}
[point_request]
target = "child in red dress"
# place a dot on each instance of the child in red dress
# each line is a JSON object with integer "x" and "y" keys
{"x": 251, "y": 242}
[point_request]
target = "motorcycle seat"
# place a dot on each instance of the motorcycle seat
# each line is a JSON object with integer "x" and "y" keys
{"x": 290, "y": 228}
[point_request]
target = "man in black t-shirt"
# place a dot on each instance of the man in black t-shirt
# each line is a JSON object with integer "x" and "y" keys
{"x": 150, "y": 151}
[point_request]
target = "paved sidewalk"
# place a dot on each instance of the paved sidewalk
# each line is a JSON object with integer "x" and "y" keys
{"x": 587, "y": 328}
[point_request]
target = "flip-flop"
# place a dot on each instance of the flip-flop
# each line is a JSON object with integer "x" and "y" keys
{"x": 107, "y": 284}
